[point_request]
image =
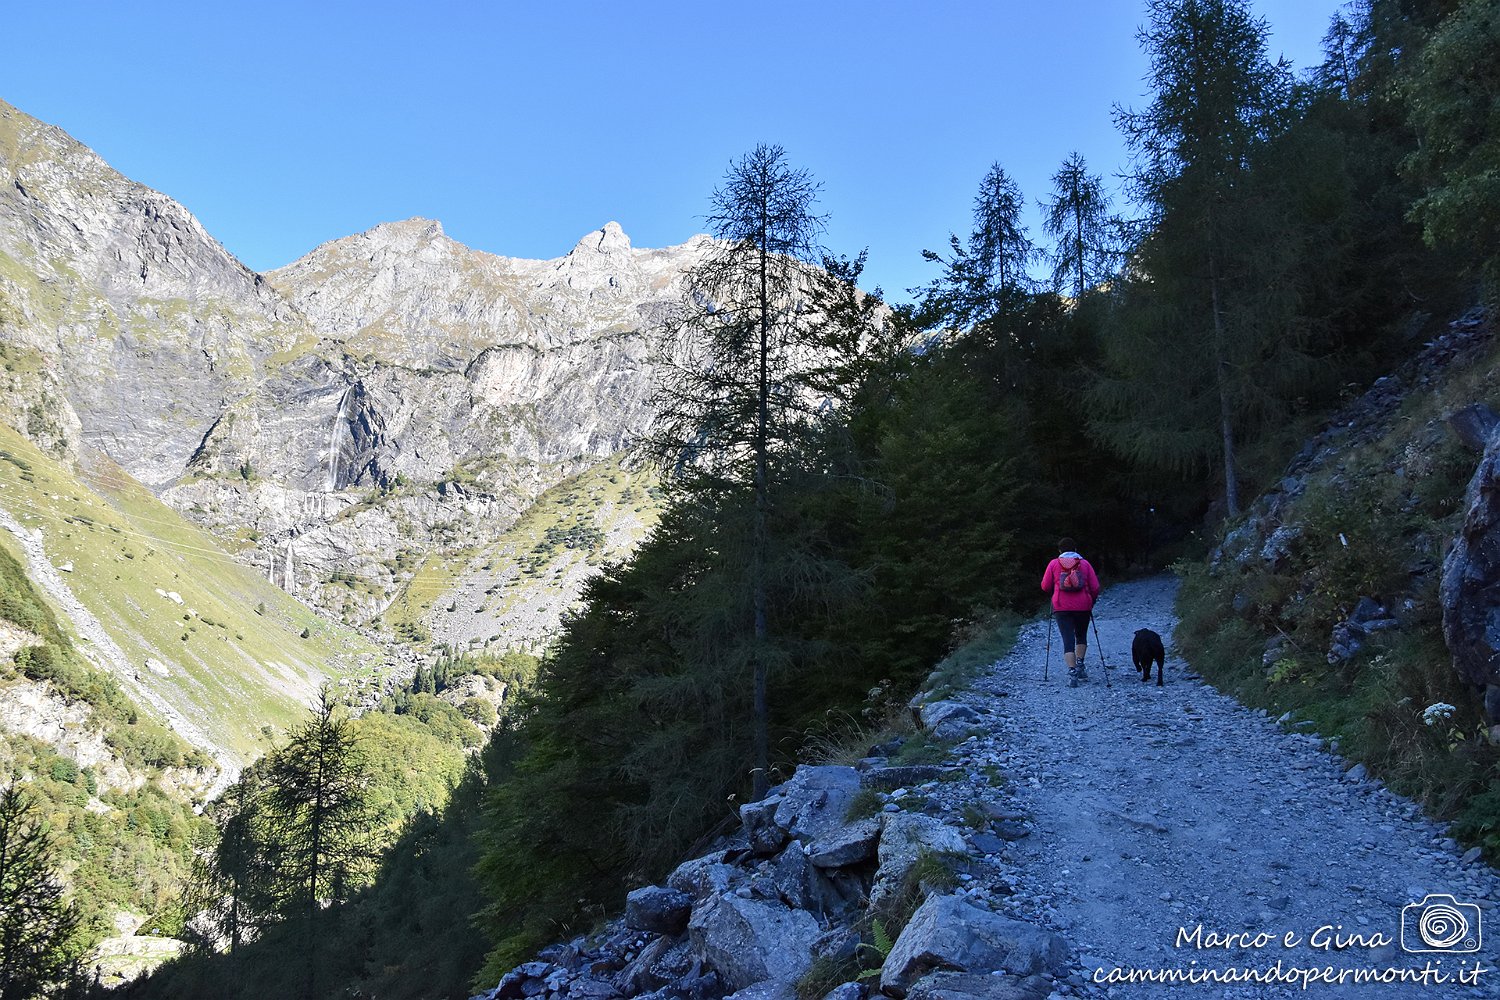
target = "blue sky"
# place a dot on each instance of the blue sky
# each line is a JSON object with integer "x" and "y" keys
{"x": 522, "y": 126}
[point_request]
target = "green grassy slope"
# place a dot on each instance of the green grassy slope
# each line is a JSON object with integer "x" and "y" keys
{"x": 228, "y": 651}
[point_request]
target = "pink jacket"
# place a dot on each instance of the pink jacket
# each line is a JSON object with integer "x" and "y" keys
{"x": 1071, "y": 600}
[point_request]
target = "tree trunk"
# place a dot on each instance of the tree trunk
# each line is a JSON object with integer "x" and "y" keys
{"x": 761, "y": 734}
{"x": 1221, "y": 382}
{"x": 1078, "y": 239}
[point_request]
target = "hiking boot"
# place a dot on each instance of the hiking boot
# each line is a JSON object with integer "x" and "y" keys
{"x": 1072, "y": 680}
{"x": 1083, "y": 672}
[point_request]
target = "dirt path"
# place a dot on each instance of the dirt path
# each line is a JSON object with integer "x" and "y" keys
{"x": 1155, "y": 811}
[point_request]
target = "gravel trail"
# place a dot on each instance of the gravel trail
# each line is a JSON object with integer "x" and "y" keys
{"x": 1155, "y": 811}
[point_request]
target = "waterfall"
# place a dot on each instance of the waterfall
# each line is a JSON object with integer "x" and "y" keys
{"x": 339, "y": 436}
{"x": 290, "y": 580}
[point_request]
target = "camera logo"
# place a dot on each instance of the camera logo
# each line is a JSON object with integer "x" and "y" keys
{"x": 1440, "y": 923}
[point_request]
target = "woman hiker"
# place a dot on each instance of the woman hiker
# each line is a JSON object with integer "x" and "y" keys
{"x": 1073, "y": 585}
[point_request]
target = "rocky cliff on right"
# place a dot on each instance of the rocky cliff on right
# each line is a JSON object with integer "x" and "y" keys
{"x": 1471, "y": 573}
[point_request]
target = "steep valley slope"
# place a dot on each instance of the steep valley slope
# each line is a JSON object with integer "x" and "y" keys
{"x": 259, "y": 483}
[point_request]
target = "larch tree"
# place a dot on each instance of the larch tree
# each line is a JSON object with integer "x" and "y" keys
{"x": 1212, "y": 266}
{"x": 317, "y": 814}
{"x": 239, "y": 870}
{"x": 742, "y": 391}
{"x": 1078, "y": 217}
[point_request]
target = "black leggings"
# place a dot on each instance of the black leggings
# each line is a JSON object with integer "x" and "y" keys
{"x": 1073, "y": 626}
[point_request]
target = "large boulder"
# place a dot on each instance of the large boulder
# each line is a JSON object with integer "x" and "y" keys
{"x": 659, "y": 963}
{"x": 846, "y": 991}
{"x": 1471, "y": 582}
{"x": 948, "y": 720}
{"x": 848, "y": 845}
{"x": 771, "y": 989}
{"x": 703, "y": 876}
{"x": 749, "y": 941}
{"x": 1348, "y": 636}
{"x": 816, "y": 800}
{"x": 950, "y": 933}
{"x": 759, "y": 819}
{"x": 890, "y": 778}
{"x": 658, "y": 910}
{"x": 796, "y": 879}
{"x": 973, "y": 986}
{"x": 903, "y": 838}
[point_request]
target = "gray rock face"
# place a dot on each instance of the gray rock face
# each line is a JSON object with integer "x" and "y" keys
{"x": 948, "y": 719}
{"x": 903, "y": 838}
{"x": 658, "y": 910}
{"x": 397, "y": 356}
{"x": 815, "y": 801}
{"x": 150, "y": 324}
{"x": 948, "y": 932}
{"x": 1474, "y": 424}
{"x": 750, "y": 941}
{"x": 970, "y": 986}
{"x": 1470, "y": 585}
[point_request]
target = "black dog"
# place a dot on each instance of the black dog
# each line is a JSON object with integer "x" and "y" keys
{"x": 1145, "y": 649}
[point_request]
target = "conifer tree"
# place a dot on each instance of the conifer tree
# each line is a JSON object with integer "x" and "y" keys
{"x": 1452, "y": 95}
{"x": 36, "y": 921}
{"x": 1078, "y": 217}
{"x": 731, "y": 398}
{"x": 986, "y": 275}
{"x": 317, "y": 813}
{"x": 239, "y": 871}
{"x": 1202, "y": 358}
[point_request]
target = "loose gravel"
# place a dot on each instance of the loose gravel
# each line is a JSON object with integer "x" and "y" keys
{"x": 1172, "y": 828}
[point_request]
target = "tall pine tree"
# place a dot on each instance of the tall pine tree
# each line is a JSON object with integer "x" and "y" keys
{"x": 735, "y": 408}
{"x": 1208, "y": 336}
{"x": 1078, "y": 217}
{"x": 985, "y": 276}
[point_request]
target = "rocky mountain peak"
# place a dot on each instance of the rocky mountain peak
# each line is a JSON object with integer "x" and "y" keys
{"x": 611, "y": 239}
{"x": 406, "y": 235}
{"x": 601, "y": 262}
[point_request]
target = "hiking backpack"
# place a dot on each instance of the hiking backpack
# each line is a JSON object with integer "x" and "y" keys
{"x": 1070, "y": 578}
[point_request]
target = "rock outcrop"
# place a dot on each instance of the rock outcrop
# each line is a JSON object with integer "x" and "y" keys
{"x": 1471, "y": 577}
{"x": 1374, "y": 494}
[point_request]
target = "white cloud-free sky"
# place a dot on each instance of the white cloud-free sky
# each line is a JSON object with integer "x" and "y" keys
{"x": 524, "y": 125}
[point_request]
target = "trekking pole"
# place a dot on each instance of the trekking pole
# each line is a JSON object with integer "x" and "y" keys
{"x": 1098, "y": 644}
{"x": 1048, "y": 665}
